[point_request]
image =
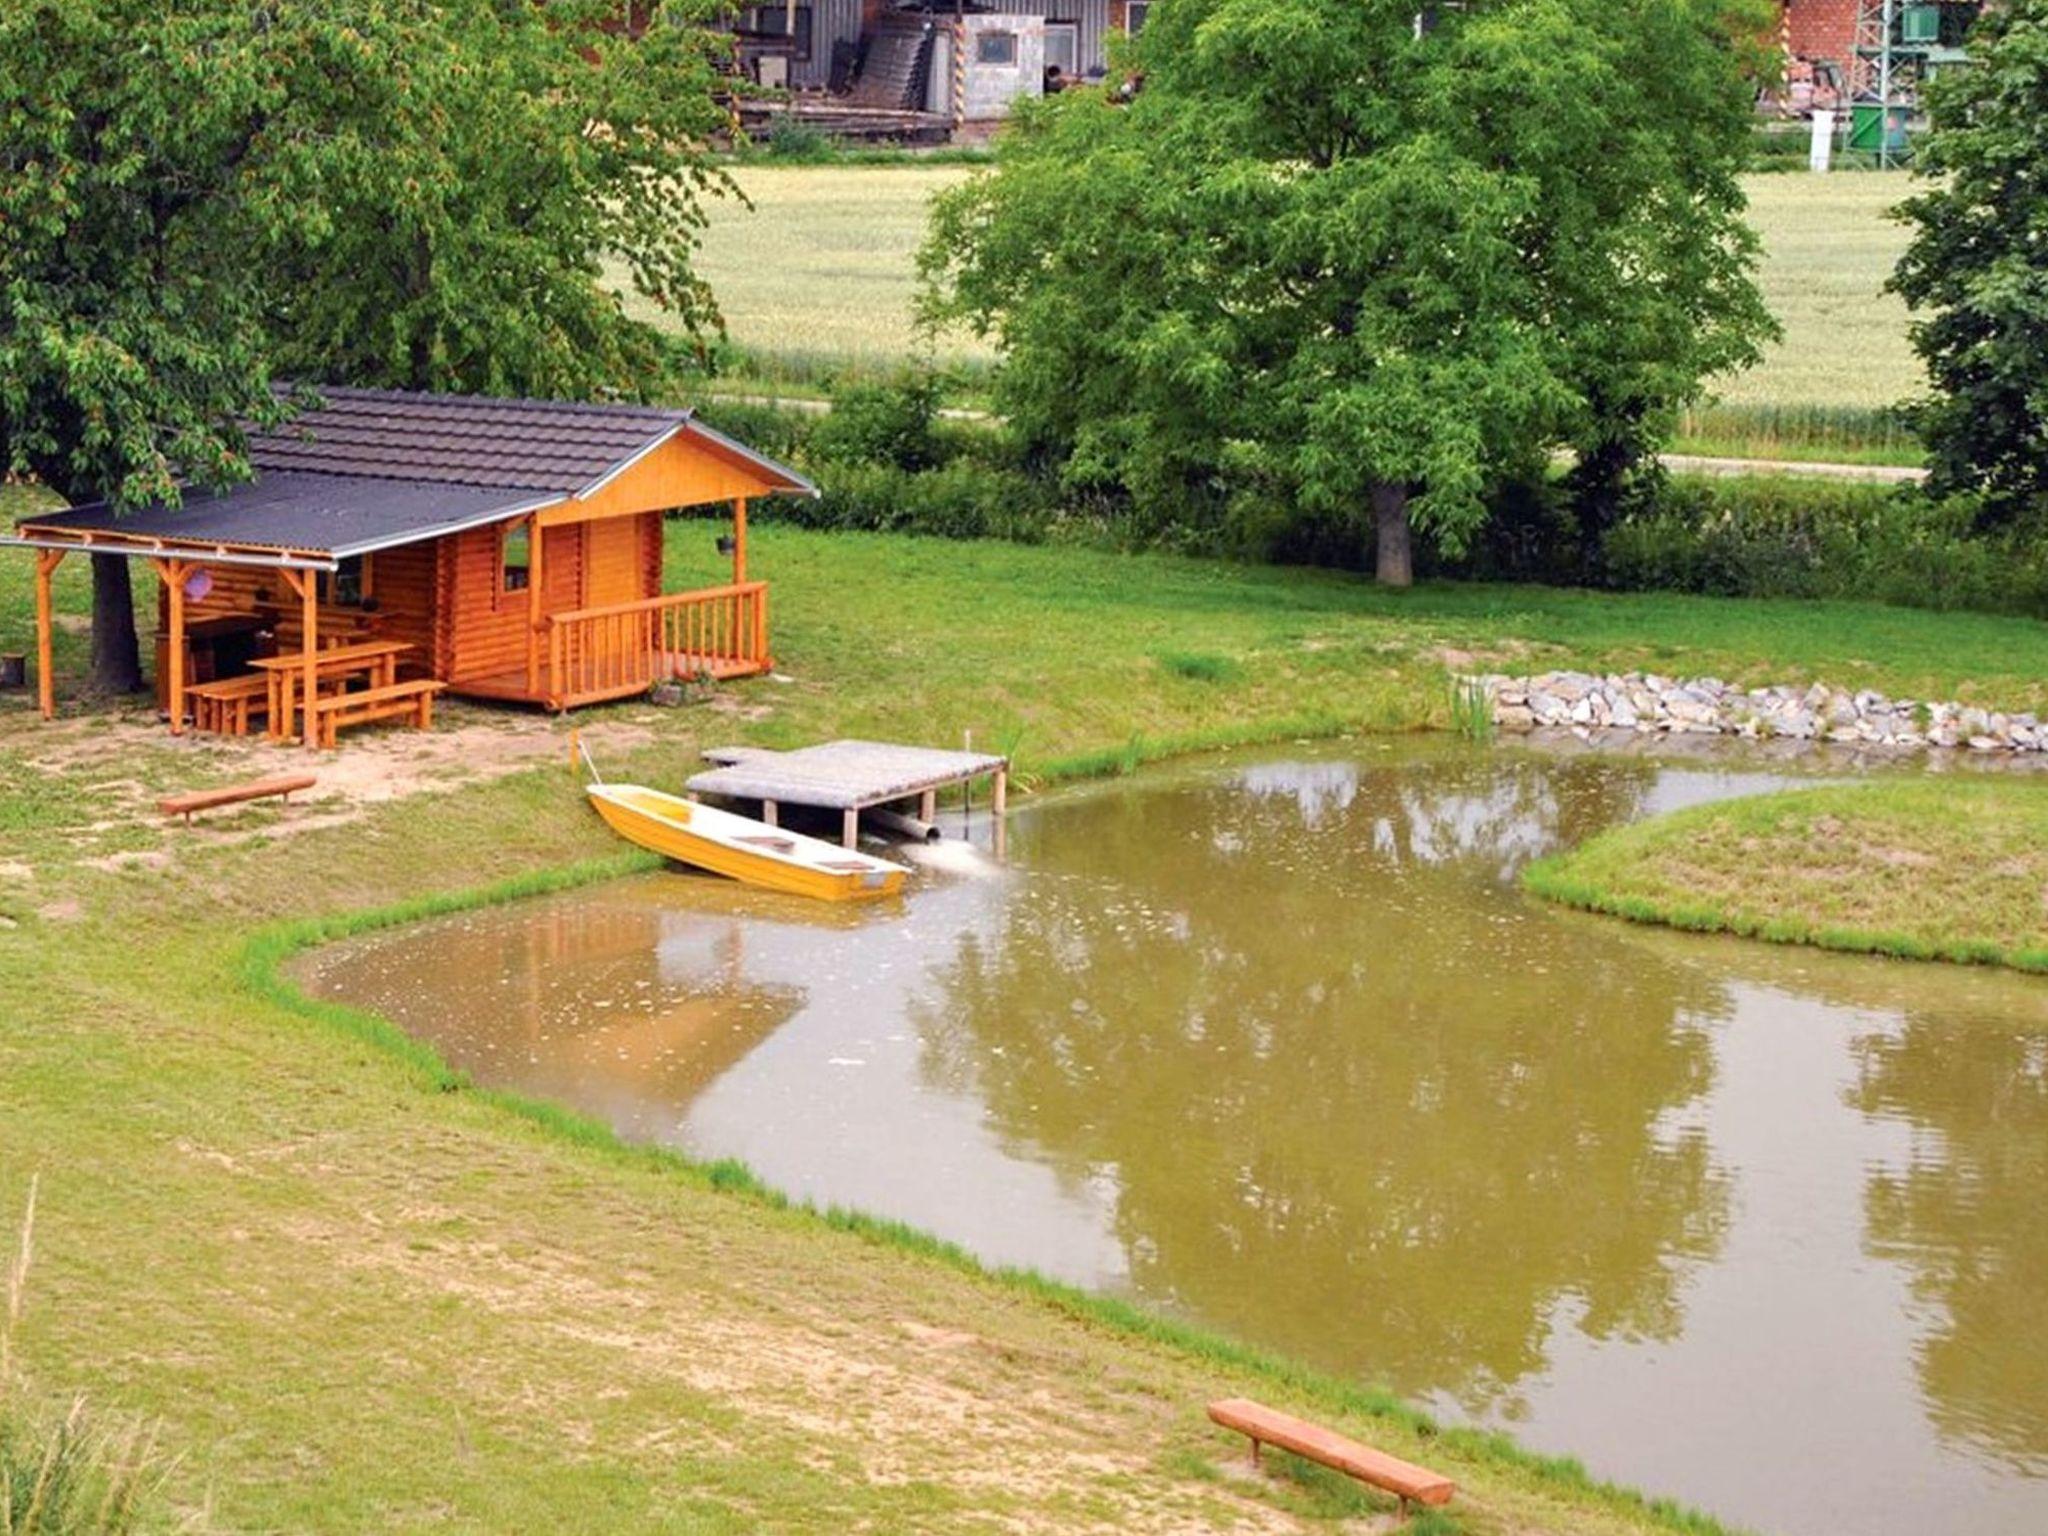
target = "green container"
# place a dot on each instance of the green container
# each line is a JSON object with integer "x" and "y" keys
{"x": 1865, "y": 120}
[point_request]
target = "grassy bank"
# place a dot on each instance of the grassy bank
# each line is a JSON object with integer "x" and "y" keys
{"x": 826, "y": 254}
{"x": 1920, "y": 869}
{"x": 359, "y": 1294}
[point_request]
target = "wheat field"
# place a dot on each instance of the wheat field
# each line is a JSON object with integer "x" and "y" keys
{"x": 820, "y": 270}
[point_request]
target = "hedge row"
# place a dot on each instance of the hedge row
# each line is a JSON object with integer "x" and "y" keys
{"x": 884, "y": 460}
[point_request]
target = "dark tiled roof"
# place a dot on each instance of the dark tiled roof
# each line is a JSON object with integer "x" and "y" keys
{"x": 463, "y": 439}
{"x": 286, "y": 510}
{"x": 372, "y": 468}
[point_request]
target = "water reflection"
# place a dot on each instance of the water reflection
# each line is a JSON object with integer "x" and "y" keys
{"x": 1964, "y": 1215}
{"x": 1279, "y": 1046}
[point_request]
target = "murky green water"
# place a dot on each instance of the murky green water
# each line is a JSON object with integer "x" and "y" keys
{"x": 1273, "y": 1042}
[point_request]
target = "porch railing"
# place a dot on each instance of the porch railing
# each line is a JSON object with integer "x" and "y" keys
{"x": 608, "y": 653}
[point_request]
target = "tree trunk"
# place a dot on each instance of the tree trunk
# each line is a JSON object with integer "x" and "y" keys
{"x": 1394, "y": 564}
{"x": 116, "y": 658}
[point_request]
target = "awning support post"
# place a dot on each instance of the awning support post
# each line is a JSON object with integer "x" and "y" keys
{"x": 47, "y": 561}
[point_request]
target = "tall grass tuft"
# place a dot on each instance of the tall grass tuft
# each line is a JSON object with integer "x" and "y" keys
{"x": 1471, "y": 703}
{"x": 63, "y": 1474}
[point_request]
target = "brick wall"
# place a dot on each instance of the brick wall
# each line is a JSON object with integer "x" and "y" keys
{"x": 1822, "y": 29}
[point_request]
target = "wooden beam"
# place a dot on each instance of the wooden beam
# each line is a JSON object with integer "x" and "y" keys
{"x": 172, "y": 573}
{"x": 739, "y": 539}
{"x": 47, "y": 561}
{"x": 534, "y": 621}
{"x": 309, "y": 679}
{"x": 849, "y": 827}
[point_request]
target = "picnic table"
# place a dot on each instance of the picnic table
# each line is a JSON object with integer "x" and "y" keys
{"x": 376, "y": 661}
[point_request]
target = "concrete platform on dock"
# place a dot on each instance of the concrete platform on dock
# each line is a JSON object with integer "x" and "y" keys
{"x": 848, "y": 777}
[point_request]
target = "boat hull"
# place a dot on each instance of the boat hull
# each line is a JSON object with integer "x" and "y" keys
{"x": 741, "y": 848}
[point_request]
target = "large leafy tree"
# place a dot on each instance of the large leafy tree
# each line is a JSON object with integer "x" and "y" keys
{"x": 1976, "y": 270}
{"x": 414, "y": 192}
{"x": 1337, "y": 255}
{"x": 497, "y": 172}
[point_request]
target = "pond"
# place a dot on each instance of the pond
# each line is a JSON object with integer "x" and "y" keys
{"x": 1273, "y": 1042}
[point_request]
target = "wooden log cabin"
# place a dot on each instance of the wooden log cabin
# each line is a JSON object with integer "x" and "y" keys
{"x": 512, "y": 548}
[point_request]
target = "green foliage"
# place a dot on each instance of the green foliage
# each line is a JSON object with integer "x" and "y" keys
{"x": 133, "y": 179}
{"x": 891, "y": 424}
{"x": 1974, "y": 272}
{"x": 479, "y": 163}
{"x": 1321, "y": 258}
{"x": 1770, "y": 537}
{"x": 791, "y": 138}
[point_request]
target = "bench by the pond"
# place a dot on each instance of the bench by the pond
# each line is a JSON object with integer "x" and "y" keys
{"x": 282, "y": 787}
{"x": 1268, "y": 1426}
{"x": 332, "y": 712}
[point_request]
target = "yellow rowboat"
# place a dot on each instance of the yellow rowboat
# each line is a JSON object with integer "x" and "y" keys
{"x": 742, "y": 847}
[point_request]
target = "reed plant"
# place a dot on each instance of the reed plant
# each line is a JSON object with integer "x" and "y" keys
{"x": 1471, "y": 705}
{"x": 63, "y": 1473}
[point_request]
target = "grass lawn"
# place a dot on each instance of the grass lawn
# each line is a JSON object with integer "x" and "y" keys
{"x": 1923, "y": 868}
{"x": 821, "y": 270}
{"x": 358, "y": 1295}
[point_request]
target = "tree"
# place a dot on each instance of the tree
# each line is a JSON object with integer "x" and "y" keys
{"x": 1976, "y": 270}
{"x": 498, "y": 173}
{"x": 1335, "y": 255}
{"x": 130, "y": 337}
{"x": 411, "y": 192}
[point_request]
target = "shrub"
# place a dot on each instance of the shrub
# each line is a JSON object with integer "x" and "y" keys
{"x": 1782, "y": 537}
{"x": 892, "y": 424}
{"x": 958, "y": 501}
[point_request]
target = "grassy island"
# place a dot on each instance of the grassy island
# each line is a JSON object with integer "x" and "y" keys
{"x": 1926, "y": 868}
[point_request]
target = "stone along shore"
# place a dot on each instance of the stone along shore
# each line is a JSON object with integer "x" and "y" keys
{"x": 1646, "y": 702}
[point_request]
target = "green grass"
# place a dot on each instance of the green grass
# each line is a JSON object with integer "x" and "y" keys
{"x": 377, "y": 1297}
{"x": 818, "y": 279}
{"x": 1833, "y": 434}
{"x": 1918, "y": 869}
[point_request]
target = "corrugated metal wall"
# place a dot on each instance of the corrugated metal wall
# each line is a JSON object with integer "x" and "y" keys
{"x": 1093, "y": 16}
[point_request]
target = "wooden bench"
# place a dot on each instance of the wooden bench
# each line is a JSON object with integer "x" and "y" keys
{"x": 228, "y": 705}
{"x": 1314, "y": 1443}
{"x": 283, "y": 787}
{"x": 333, "y": 712}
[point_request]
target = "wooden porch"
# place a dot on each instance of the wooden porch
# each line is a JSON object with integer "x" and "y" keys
{"x": 588, "y": 655}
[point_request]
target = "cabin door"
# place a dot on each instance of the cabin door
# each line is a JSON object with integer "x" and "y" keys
{"x": 613, "y": 564}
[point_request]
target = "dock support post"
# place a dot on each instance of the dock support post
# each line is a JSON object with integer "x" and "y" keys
{"x": 1002, "y": 791}
{"x": 769, "y": 812}
{"x": 849, "y": 827}
{"x": 928, "y": 806}
{"x": 46, "y": 678}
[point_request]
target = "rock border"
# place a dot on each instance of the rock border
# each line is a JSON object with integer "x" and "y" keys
{"x": 1646, "y": 702}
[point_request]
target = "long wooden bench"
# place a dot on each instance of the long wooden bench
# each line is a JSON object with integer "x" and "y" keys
{"x": 334, "y": 712}
{"x": 229, "y": 704}
{"x": 1269, "y": 1426}
{"x": 284, "y": 787}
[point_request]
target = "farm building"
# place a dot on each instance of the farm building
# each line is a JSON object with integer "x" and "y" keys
{"x": 392, "y": 545}
{"x": 1839, "y": 51}
{"x": 933, "y": 64}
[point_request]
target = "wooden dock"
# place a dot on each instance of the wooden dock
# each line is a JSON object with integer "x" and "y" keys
{"x": 848, "y": 777}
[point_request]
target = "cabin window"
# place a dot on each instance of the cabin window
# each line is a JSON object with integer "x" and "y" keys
{"x": 766, "y": 21}
{"x": 1134, "y": 16}
{"x": 515, "y": 550}
{"x": 349, "y": 583}
{"x": 996, "y": 48}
